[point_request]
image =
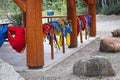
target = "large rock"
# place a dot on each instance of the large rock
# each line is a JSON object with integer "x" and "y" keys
{"x": 110, "y": 44}
{"x": 94, "y": 66}
{"x": 7, "y": 72}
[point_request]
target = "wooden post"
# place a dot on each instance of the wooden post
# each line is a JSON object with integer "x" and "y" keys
{"x": 21, "y": 4}
{"x": 24, "y": 19}
{"x": 34, "y": 34}
{"x": 71, "y": 13}
{"x": 92, "y": 12}
{"x": 52, "y": 46}
{"x": 32, "y": 20}
{"x": 81, "y": 38}
{"x": 63, "y": 44}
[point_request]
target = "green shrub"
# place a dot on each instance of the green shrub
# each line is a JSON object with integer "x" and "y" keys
{"x": 17, "y": 19}
{"x": 112, "y": 9}
{"x": 105, "y": 10}
{"x": 82, "y": 10}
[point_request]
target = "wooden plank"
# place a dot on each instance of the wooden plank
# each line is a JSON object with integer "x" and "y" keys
{"x": 21, "y": 4}
{"x": 34, "y": 34}
{"x": 71, "y": 13}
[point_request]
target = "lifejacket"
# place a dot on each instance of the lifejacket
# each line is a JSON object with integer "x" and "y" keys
{"x": 57, "y": 27}
{"x": 68, "y": 39}
{"x": 82, "y": 22}
{"x": 78, "y": 28}
{"x": 88, "y": 21}
{"x": 46, "y": 28}
{"x": 89, "y": 26}
{"x": 62, "y": 23}
{"x": 57, "y": 42}
{"x": 68, "y": 30}
{"x": 18, "y": 41}
{"x": 3, "y": 34}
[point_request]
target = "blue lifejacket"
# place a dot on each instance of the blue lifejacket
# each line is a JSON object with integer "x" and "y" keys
{"x": 67, "y": 29}
{"x": 88, "y": 21}
{"x": 80, "y": 24}
{"x": 56, "y": 25}
{"x": 3, "y": 34}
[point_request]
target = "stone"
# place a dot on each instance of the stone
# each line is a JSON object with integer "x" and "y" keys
{"x": 110, "y": 44}
{"x": 116, "y": 33}
{"x": 93, "y": 66}
{"x": 7, "y": 72}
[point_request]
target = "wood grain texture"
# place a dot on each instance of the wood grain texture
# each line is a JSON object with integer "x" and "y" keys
{"x": 63, "y": 44}
{"x": 21, "y": 4}
{"x": 71, "y": 13}
{"x": 52, "y": 46}
{"x": 24, "y": 19}
{"x": 92, "y": 12}
{"x": 32, "y": 20}
{"x": 85, "y": 1}
{"x": 34, "y": 33}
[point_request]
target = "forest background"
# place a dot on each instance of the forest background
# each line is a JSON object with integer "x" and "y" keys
{"x": 9, "y": 10}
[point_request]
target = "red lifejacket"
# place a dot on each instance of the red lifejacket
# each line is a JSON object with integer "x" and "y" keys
{"x": 78, "y": 28}
{"x": 82, "y": 17}
{"x": 46, "y": 28}
{"x": 18, "y": 41}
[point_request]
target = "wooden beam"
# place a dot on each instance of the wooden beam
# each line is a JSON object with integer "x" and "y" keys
{"x": 88, "y": 2}
{"x": 71, "y": 13}
{"x": 92, "y": 13}
{"x": 21, "y": 4}
{"x": 91, "y": 2}
{"x": 24, "y": 19}
{"x": 63, "y": 44}
{"x": 52, "y": 46}
{"x": 85, "y": 1}
{"x": 34, "y": 34}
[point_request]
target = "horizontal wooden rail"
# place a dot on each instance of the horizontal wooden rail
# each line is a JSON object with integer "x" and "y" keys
{"x": 54, "y": 17}
{"x": 49, "y": 18}
{"x": 59, "y": 16}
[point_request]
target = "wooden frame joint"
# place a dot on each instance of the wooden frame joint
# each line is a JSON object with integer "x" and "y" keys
{"x": 21, "y": 4}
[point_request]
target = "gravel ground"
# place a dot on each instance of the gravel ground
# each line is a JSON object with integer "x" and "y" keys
{"x": 63, "y": 70}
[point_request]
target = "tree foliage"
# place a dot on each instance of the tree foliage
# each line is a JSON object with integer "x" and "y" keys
{"x": 9, "y": 9}
{"x": 59, "y": 6}
{"x": 108, "y": 6}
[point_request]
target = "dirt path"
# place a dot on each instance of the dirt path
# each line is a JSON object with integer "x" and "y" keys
{"x": 105, "y": 24}
{"x": 63, "y": 71}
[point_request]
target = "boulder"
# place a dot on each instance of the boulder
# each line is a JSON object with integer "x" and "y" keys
{"x": 110, "y": 44}
{"x": 7, "y": 72}
{"x": 116, "y": 33}
{"x": 93, "y": 66}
